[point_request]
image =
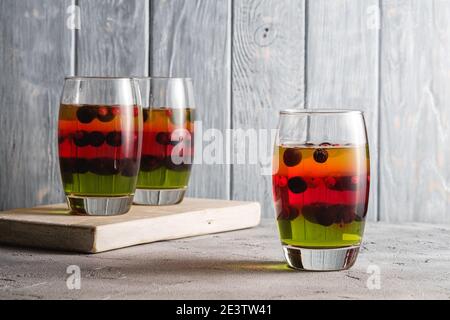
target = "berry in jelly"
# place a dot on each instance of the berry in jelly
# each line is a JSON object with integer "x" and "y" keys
{"x": 81, "y": 138}
{"x": 320, "y": 155}
{"x": 114, "y": 139}
{"x": 86, "y": 114}
{"x": 96, "y": 138}
{"x": 297, "y": 185}
{"x": 105, "y": 114}
{"x": 292, "y": 157}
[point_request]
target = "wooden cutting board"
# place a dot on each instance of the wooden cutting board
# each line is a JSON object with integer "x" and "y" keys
{"x": 52, "y": 227}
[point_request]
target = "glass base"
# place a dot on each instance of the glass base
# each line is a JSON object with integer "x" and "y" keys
{"x": 99, "y": 206}
{"x": 326, "y": 259}
{"x": 162, "y": 197}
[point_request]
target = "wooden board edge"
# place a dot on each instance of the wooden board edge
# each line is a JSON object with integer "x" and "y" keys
{"x": 153, "y": 230}
{"x": 51, "y": 236}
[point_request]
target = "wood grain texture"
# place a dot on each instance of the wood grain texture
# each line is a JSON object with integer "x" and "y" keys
{"x": 53, "y": 227}
{"x": 415, "y": 115}
{"x": 114, "y": 38}
{"x": 35, "y": 55}
{"x": 192, "y": 39}
{"x": 342, "y": 66}
{"x": 268, "y": 75}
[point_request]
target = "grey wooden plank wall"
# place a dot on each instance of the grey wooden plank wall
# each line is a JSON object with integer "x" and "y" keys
{"x": 34, "y": 57}
{"x": 415, "y": 111}
{"x": 248, "y": 59}
{"x": 192, "y": 39}
{"x": 267, "y": 76}
{"x": 342, "y": 66}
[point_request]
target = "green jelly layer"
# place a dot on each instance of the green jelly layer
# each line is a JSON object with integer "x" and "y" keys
{"x": 163, "y": 178}
{"x": 300, "y": 232}
{"x": 89, "y": 184}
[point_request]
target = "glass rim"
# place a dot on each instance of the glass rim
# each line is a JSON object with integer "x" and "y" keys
{"x": 321, "y": 111}
{"x": 163, "y": 78}
{"x": 96, "y": 78}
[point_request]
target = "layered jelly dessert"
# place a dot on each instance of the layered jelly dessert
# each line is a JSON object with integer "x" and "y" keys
{"x": 167, "y": 151}
{"x": 321, "y": 194}
{"x": 99, "y": 149}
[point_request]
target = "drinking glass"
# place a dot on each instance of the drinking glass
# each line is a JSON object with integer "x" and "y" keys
{"x": 321, "y": 187}
{"x": 167, "y": 150}
{"x": 100, "y": 139}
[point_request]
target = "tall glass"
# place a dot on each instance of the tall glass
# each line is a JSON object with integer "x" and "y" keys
{"x": 100, "y": 140}
{"x": 321, "y": 187}
{"x": 167, "y": 151}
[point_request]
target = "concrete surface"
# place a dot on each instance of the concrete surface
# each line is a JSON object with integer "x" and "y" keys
{"x": 413, "y": 260}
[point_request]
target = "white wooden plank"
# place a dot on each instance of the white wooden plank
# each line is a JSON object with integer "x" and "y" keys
{"x": 342, "y": 66}
{"x": 415, "y": 116}
{"x": 268, "y": 72}
{"x": 192, "y": 39}
{"x": 35, "y": 55}
{"x": 52, "y": 227}
{"x": 114, "y": 38}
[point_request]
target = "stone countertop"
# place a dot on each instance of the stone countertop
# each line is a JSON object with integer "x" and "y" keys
{"x": 413, "y": 261}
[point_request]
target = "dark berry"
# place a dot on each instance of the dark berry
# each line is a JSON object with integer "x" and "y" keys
{"x": 340, "y": 212}
{"x": 288, "y": 213}
{"x": 321, "y": 213}
{"x": 82, "y": 165}
{"x": 96, "y": 138}
{"x": 325, "y": 216}
{"x": 129, "y": 167}
{"x": 297, "y": 185}
{"x": 343, "y": 184}
{"x": 105, "y": 114}
{"x": 292, "y": 157}
{"x": 325, "y": 144}
{"x": 104, "y": 166}
{"x": 347, "y": 183}
{"x": 163, "y": 138}
{"x": 81, "y": 138}
{"x": 149, "y": 163}
{"x": 320, "y": 155}
{"x": 85, "y": 114}
{"x": 114, "y": 139}
{"x": 309, "y": 212}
